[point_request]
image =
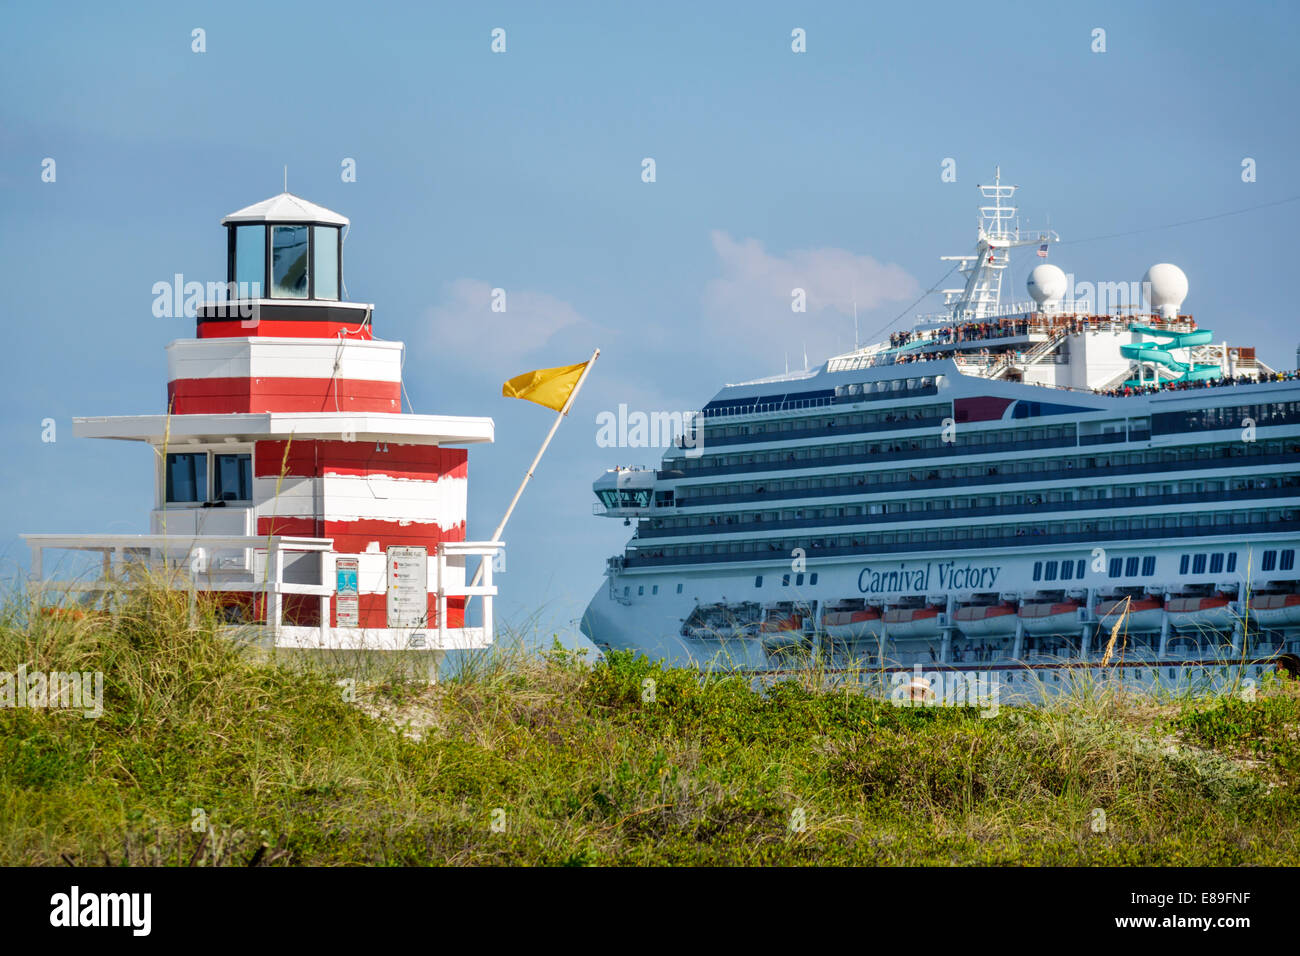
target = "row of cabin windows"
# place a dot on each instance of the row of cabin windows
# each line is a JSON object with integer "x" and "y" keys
{"x": 1209, "y": 453}
{"x": 1205, "y": 522}
{"x": 895, "y": 388}
{"x": 1115, "y": 427}
{"x": 189, "y": 475}
{"x": 1045, "y": 498}
{"x": 1286, "y": 564}
{"x": 758, "y": 583}
{"x": 1268, "y": 562}
{"x": 1274, "y": 413}
{"x": 1058, "y": 570}
{"x": 1064, "y": 570}
{"x": 640, "y": 590}
{"x": 1118, "y": 567}
{"x": 1228, "y": 416}
{"x": 813, "y": 453}
{"x": 785, "y": 580}
{"x": 1262, "y": 414}
{"x": 719, "y": 434}
{"x": 1198, "y": 563}
{"x": 1128, "y": 567}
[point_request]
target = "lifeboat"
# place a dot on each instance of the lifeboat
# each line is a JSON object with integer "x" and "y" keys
{"x": 1194, "y": 613}
{"x": 1274, "y": 610}
{"x": 985, "y": 619}
{"x": 721, "y": 632}
{"x": 722, "y": 622}
{"x": 1144, "y": 614}
{"x": 852, "y": 625}
{"x": 914, "y": 622}
{"x": 777, "y": 625}
{"x": 781, "y": 631}
{"x": 1061, "y": 617}
{"x": 784, "y": 634}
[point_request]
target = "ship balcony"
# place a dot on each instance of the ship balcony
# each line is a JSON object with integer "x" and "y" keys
{"x": 274, "y": 567}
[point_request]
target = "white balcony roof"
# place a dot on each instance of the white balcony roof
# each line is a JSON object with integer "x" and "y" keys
{"x": 286, "y": 207}
{"x": 358, "y": 426}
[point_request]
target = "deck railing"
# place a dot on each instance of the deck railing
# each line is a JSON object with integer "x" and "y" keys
{"x": 190, "y": 556}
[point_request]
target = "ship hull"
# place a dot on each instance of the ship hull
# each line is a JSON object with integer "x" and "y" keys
{"x": 1060, "y": 637}
{"x": 944, "y": 501}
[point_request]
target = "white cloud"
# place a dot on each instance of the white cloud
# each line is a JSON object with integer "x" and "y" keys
{"x": 749, "y": 305}
{"x": 463, "y": 322}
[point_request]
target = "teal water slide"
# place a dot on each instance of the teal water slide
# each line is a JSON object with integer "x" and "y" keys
{"x": 1158, "y": 352}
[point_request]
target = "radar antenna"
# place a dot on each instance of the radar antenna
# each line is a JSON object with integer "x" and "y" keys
{"x": 999, "y": 233}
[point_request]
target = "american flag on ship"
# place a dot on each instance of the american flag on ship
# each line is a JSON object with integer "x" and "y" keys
{"x": 1042, "y": 251}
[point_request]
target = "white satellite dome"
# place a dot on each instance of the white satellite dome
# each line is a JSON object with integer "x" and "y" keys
{"x": 1164, "y": 288}
{"x": 1047, "y": 284}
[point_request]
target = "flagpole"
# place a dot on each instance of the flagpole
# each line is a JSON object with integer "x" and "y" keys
{"x": 559, "y": 417}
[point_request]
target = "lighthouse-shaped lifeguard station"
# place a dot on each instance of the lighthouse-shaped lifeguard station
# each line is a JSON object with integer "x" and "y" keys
{"x": 287, "y": 477}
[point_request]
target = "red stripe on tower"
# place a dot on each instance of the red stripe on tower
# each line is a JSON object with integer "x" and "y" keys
{"x": 238, "y": 329}
{"x": 218, "y": 396}
{"x": 310, "y": 459}
{"x": 367, "y": 535}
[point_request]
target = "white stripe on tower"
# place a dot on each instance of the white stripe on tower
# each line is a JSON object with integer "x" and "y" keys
{"x": 351, "y": 498}
{"x": 351, "y": 359}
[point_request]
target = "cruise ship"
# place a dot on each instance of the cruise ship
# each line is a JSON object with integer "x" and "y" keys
{"x": 1048, "y": 490}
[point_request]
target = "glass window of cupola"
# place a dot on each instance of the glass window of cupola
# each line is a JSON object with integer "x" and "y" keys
{"x": 282, "y": 260}
{"x": 250, "y": 261}
{"x": 289, "y": 279}
{"x": 325, "y": 262}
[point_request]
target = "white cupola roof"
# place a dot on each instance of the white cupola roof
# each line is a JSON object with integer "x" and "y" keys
{"x": 286, "y": 207}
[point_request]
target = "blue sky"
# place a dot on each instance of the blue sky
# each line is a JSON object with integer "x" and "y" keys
{"x": 522, "y": 171}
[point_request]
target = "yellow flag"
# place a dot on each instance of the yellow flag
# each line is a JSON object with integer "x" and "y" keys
{"x": 545, "y": 386}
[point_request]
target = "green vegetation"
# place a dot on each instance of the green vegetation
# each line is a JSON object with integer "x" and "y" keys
{"x": 579, "y": 767}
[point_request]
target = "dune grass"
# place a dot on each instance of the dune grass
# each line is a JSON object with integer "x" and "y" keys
{"x": 208, "y": 753}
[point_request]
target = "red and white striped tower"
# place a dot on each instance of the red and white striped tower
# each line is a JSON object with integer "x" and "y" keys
{"x": 285, "y": 418}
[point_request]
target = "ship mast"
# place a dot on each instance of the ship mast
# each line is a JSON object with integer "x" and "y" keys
{"x": 999, "y": 233}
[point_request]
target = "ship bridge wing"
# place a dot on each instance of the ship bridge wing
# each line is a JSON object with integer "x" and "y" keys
{"x": 628, "y": 492}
